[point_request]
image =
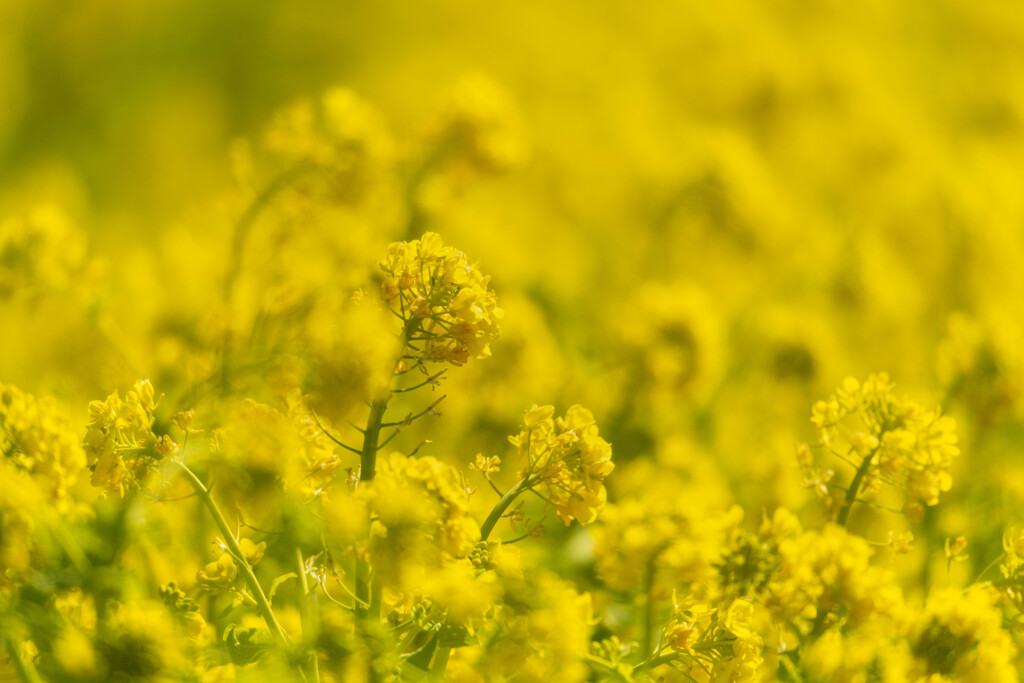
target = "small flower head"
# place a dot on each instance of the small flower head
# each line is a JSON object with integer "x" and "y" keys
{"x": 450, "y": 314}
{"x": 120, "y": 441}
{"x": 907, "y": 445}
{"x": 568, "y": 457}
{"x": 36, "y": 438}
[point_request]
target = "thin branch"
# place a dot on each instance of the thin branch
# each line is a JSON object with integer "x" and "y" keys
{"x": 332, "y": 437}
{"x": 430, "y": 380}
{"x": 410, "y": 418}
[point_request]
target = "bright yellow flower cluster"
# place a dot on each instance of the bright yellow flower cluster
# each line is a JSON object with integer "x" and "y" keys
{"x": 959, "y": 636}
{"x": 725, "y": 641}
{"x": 120, "y": 442}
{"x": 568, "y": 457}
{"x": 265, "y": 450}
{"x": 221, "y": 574}
{"x": 37, "y": 438}
{"x": 889, "y": 439}
{"x": 450, "y": 314}
{"x": 662, "y": 533}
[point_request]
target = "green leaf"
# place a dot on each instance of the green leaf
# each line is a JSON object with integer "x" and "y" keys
{"x": 247, "y": 645}
{"x": 451, "y": 635}
{"x": 421, "y": 658}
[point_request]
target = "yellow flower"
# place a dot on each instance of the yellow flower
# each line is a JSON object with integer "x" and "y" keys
{"x": 567, "y": 457}
{"x": 219, "y": 575}
{"x": 450, "y": 313}
{"x": 120, "y": 441}
{"x": 895, "y": 438}
{"x": 38, "y": 439}
{"x": 738, "y": 618}
{"x": 252, "y": 552}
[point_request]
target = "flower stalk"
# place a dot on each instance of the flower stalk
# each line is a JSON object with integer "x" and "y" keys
{"x": 262, "y": 604}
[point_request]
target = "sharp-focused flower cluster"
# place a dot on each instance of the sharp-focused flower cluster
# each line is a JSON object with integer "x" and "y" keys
{"x": 449, "y": 313}
{"x": 568, "y": 458}
{"x": 120, "y": 442}
{"x": 889, "y": 439}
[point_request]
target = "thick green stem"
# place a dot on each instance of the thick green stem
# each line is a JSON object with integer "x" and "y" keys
{"x": 371, "y": 437}
{"x": 367, "y": 471}
{"x": 501, "y": 506}
{"x": 236, "y": 552}
{"x": 851, "y": 493}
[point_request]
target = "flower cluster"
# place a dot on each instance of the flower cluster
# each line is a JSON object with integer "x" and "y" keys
{"x": 444, "y": 301}
{"x": 120, "y": 442}
{"x": 37, "y": 438}
{"x": 889, "y": 439}
{"x": 723, "y": 640}
{"x": 568, "y": 458}
{"x": 424, "y": 498}
{"x": 221, "y": 574}
{"x": 341, "y": 136}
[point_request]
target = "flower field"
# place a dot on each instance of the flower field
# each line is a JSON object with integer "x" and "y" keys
{"x": 511, "y": 342}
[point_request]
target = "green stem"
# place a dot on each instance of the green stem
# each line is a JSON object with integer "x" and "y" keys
{"x": 502, "y": 505}
{"x": 371, "y": 437}
{"x": 367, "y": 471}
{"x": 656, "y": 661}
{"x": 307, "y": 624}
{"x": 232, "y": 544}
{"x": 648, "y": 624}
{"x": 653, "y": 662}
{"x": 790, "y": 667}
{"x": 26, "y": 670}
{"x": 375, "y": 420}
{"x": 851, "y": 493}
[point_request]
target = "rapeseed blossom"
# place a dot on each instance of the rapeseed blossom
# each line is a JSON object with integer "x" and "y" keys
{"x": 888, "y": 439}
{"x": 568, "y": 458}
{"x": 450, "y": 315}
{"x": 308, "y": 263}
